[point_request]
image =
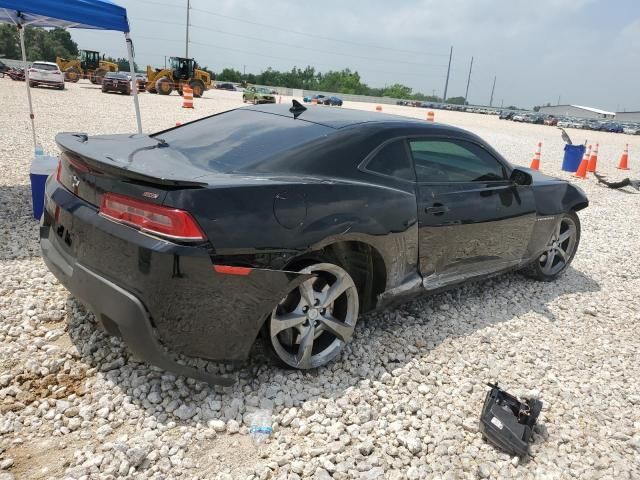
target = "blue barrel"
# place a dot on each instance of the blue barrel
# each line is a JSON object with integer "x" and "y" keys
{"x": 572, "y": 157}
{"x": 41, "y": 167}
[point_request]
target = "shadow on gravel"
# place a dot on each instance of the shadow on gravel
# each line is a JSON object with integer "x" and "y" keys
{"x": 18, "y": 229}
{"x": 384, "y": 341}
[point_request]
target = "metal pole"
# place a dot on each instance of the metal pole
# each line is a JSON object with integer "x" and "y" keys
{"x": 492, "y": 90}
{"x": 134, "y": 83}
{"x": 466, "y": 93}
{"x": 446, "y": 83}
{"x": 26, "y": 82}
{"x": 186, "y": 54}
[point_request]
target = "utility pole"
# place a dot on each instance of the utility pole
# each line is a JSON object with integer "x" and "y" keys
{"x": 244, "y": 70}
{"x": 466, "y": 93}
{"x": 493, "y": 89}
{"x": 446, "y": 83}
{"x": 186, "y": 48}
{"x": 165, "y": 62}
{"x": 558, "y": 100}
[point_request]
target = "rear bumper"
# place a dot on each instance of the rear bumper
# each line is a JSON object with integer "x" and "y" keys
{"x": 56, "y": 83}
{"x": 154, "y": 293}
{"x": 116, "y": 88}
{"x": 118, "y": 311}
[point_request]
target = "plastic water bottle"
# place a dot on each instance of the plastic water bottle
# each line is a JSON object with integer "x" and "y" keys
{"x": 39, "y": 151}
{"x": 260, "y": 429}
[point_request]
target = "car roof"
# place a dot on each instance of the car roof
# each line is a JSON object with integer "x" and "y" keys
{"x": 338, "y": 118}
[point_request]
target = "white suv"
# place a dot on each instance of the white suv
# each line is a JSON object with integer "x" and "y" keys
{"x": 46, "y": 73}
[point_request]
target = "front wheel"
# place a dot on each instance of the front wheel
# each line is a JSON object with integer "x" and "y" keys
{"x": 560, "y": 250}
{"x": 312, "y": 324}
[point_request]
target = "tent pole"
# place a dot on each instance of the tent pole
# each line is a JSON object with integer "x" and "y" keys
{"x": 134, "y": 83}
{"x": 26, "y": 82}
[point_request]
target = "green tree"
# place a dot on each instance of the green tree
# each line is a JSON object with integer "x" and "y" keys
{"x": 40, "y": 44}
{"x": 456, "y": 100}
{"x": 230, "y": 75}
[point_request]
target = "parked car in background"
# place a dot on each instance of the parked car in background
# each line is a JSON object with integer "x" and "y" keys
{"x": 226, "y": 86}
{"x": 46, "y": 73}
{"x": 309, "y": 98}
{"x": 506, "y": 115}
{"x": 564, "y": 123}
{"x": 612, "y": 127}
{"x": 551, "y": 121}
{"x": 116, "y": 82}
{"x": 334, "y": 101}
{"x": 168, "y": 246}
{"x": 518, "y": 117}
{"x": 593, "y": 125}
{"x": 4, "y": 68}
{"x": 632, "y": 129}
{"x": 257, "y": 95}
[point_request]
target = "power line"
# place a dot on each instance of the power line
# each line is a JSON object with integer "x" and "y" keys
{"x": 216, "y": 30}
{"x": 289, "y": 60}
{"x": 296, "y": 32}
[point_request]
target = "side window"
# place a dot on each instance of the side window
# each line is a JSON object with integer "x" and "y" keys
{"x": 454, "y": 161}
{"x": 393, "y": 160}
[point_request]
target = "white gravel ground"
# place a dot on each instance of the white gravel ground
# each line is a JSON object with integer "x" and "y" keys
{"x": 404, "y": 399}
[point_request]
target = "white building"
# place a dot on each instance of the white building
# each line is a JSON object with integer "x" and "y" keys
{"x": 576, "y": 111}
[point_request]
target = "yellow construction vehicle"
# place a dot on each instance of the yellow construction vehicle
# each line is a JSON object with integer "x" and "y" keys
{"x": 181, "y": 71}
{"x": 88, "y": 66}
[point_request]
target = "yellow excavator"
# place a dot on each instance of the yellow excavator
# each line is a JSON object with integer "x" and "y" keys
{"x": 181, "y": 71}
{"x": 88, "y": 66}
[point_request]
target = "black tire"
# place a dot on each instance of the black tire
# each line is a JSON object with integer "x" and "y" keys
{"x": 104, "y": 90}
{"x": 244, "y": 99}
{"x": 72, "y": 74}
{"x": 163, "y": 86}
{"x": 32, "y": 84}
{"x": 98, "y": 75}
{"x": 61, "y": 87}
{"x": 544, "y": 273}
{"x": 198, "y": 88}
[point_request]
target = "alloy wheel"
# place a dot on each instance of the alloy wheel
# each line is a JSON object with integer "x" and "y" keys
{"x": 311, "y": 325}
{"x": 560, "y": 248}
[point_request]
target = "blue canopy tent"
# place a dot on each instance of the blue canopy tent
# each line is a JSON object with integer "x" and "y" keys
{"x": 94, "y": 14}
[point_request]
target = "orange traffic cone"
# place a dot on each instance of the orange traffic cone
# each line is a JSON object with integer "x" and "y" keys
{"x": 378, "y": 108}
{"x": 582, "y": 169}
{"x": 624, "y": 159}
{"x": 535, "y": 163}
{"x": 431, "y": 117}
{"x": 187, "y": 97}
{"x": 593, "y": 161}
{"x": 178, "y": 124}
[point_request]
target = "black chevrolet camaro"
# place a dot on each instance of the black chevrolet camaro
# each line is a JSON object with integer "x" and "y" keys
{"x": 288, "y": 222}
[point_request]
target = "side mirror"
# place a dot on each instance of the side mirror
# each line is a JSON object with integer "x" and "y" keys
{"x": 520, "y": 177}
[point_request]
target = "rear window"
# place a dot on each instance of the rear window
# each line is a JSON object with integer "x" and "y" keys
{"x": 240, "y": 139}
{"x": 45, "y": 66}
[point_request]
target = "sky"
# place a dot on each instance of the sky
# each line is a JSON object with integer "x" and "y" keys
{"x": 584, "y": 52}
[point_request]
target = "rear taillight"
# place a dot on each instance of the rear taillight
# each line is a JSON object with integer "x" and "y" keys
{"x": 164, "y": 221}
{"x": 58, "y": 171}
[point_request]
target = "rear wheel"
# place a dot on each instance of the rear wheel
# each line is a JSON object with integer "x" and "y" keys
{"x": 198, "y": 88}
{"x": 560, "y": 250}
{"x": 72, "y": 74}
{"x": 163, "y": 86}
{"x": 98, "y": 75}
{"x": 314, "y": 321}
{"x": 32, "y": 84}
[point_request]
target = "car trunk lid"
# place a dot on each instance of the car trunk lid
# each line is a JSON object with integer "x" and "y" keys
{"x": 136, "y": 165}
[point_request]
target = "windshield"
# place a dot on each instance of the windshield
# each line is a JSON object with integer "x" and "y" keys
{"x": 263, "y": 90}
{"x": 45, "y": 66}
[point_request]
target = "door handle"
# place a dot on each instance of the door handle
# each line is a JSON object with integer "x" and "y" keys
{"x": 437, "y": 209}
